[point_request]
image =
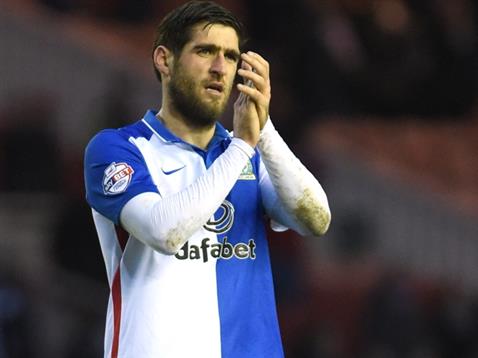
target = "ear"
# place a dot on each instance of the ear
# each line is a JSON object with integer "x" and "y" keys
{"x": 163, "y": 61}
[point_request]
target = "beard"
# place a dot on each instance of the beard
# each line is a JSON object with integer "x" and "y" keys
{"x": 187, "y": 100}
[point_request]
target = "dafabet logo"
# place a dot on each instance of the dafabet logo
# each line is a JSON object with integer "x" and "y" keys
{"x": 219, "y": 250}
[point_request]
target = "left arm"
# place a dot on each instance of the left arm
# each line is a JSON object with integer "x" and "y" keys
{"x": 295, "y": 198}
{"x": 291, "y": 195}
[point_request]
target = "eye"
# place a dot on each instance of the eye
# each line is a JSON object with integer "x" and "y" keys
{"x": 204, "y": 51}
{"x": 231, "y": 57}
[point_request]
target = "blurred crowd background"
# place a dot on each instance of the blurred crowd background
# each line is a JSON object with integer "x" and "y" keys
{"x": 377, "y": 97}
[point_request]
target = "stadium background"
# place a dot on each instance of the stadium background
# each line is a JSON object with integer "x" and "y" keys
{"x": 377, "y": 97}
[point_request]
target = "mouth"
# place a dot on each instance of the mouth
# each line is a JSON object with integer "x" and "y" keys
{"x": 216, "y": 88}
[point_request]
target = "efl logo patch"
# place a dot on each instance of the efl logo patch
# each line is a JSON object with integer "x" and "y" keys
{"x": 117, "y": 178}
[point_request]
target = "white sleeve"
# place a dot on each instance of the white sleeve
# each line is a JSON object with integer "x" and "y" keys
{"x": 166, "y": 223}
{"x": 292, "y": 196}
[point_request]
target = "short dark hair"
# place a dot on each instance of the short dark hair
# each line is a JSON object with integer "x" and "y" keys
{"x": 174, "y": 31}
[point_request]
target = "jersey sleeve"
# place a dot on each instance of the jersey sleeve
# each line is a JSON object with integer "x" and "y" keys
{"x": 292, "y": 196}
{"x": 281, "y": 220}
{"x": 115, "y": 172}
{"x": 166, "y": 223}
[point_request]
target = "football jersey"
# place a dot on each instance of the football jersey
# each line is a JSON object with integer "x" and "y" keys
{"x": 215, "y": 297}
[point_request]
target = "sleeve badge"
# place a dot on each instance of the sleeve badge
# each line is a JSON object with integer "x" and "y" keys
{"x": 116, "y": 178}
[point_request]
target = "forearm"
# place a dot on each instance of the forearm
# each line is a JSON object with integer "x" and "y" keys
{"x": 167, "y": 223}
{"x": 299, "y": 193}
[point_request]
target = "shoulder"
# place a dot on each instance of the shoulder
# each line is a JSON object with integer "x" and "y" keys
{"x": 104, "y": 142}
{"x": 109, "y": 141}
{"x": 107, "y": 137}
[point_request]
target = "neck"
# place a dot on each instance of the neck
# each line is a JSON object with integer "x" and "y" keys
{"x": 174, "y": 121}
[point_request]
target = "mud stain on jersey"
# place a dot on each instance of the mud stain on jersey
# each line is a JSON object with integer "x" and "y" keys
{"x": 314, "y": 216}
{"x": 174, "y": 240}
{"x": 177, "y": 237}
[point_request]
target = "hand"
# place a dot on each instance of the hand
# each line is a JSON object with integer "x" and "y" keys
{"x": 251, "y": 109}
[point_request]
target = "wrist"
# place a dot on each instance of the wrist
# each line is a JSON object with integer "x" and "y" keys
{"x": 267, "y": 133}
{"x": 268, "y": 127}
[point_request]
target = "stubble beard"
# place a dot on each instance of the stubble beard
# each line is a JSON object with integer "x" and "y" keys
{"x": 186, "y": 99}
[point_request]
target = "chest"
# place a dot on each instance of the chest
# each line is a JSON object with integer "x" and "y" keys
{"x": 174, "y": 167}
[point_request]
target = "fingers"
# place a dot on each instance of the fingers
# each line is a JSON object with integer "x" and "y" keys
{"x": 257, "y": 62}
{"x": 245, "y": 68}
{"x": 241, "y": 99}
{"x": 254, "y": 94}
{"x": 255, "y": 70}
{"x": 252, "y": 79}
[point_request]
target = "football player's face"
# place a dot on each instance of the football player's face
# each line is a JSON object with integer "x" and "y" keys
{"x": 203, "y": 74}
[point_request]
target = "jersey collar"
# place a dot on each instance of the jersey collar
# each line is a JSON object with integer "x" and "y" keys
{"x": 164, "y": 133}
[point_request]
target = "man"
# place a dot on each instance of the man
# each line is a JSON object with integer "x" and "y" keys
{"x": 192, "y": 277}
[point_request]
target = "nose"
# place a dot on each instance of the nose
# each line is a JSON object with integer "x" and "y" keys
{"x": 218, "y": 65}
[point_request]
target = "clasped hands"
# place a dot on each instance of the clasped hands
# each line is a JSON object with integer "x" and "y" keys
{"x": 251, "y": 108}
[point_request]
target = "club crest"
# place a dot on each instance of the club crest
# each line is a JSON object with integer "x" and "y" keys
{"x": 247, "y": 172}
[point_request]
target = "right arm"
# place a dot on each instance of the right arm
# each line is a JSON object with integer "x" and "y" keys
{"x": 166, "y": 223}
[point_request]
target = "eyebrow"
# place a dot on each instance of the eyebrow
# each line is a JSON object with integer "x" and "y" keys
{"x": 213, "y": 48}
